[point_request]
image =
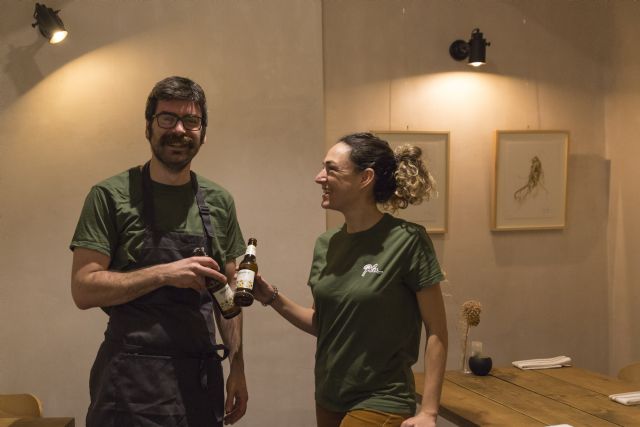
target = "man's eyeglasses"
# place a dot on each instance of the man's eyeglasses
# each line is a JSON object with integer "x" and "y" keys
{"x": 169, "y": 120}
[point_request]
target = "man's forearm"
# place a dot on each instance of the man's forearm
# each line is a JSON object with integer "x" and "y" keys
{"x": 231, "y": 329}
{"x": 231, "y": 333}
{"x": 94, "y": 286}
{"x": 236, "y": 386}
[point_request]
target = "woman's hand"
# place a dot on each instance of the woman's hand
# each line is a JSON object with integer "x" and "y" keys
{"x": 421, "y": 420}
{"x": 262, "y": 291}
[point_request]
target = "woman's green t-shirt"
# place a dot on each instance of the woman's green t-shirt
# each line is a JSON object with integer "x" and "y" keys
{"x": 364, "y": 288}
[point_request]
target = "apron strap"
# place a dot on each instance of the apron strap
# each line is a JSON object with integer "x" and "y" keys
{"x": 205, "y": 212}
{"x": 148, "y": 212}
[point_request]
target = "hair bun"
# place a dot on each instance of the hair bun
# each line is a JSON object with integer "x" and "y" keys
{"x": 414, "y": 182}
{"x": 407, "y": 152}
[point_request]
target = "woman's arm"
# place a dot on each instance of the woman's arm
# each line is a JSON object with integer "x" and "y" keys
{"x": 433, "y": 315}
{"x": 299, "y": 316}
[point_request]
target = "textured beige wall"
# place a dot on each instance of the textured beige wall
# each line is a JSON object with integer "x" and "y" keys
{"x": 72, "y": 114}
{"x": 623, "y": 144}
{"x": 387, "y": 67}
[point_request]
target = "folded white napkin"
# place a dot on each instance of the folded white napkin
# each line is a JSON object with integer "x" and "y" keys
{"x": 630, "y": 398}
{"x": 552, "y": 362}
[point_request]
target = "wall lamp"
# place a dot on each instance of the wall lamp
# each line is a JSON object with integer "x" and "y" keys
{"x": 49, "y": 23}
{"x": 474, "y": 49}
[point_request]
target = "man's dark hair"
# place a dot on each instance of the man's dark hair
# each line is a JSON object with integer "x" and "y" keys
{"x": 180, "y": 88}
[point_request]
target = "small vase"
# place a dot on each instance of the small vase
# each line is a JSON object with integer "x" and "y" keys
{"x": 464, "y": 365}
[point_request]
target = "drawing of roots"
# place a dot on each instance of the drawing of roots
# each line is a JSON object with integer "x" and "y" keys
{"x": 534, "y": 183}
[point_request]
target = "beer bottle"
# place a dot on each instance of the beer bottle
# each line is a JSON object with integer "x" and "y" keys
{"x": 246, "y": 273}
{"x": 221, "y": 293}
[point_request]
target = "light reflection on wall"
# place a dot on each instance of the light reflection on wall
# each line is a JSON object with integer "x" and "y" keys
{"x": 464, "y": 101}
{"x": 76, "y": 126}
{"x": 460, "y": 92}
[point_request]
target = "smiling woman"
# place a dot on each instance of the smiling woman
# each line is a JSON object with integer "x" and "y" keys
{"x": 374, "y": 282}
{"x": 339, "y": 179}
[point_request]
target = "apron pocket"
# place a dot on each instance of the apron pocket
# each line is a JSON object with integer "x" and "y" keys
{"x": 162, "y": 391}
{"x": 148, "y": 384}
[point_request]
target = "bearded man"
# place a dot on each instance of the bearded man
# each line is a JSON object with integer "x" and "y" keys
{"x": 160, "y": 363}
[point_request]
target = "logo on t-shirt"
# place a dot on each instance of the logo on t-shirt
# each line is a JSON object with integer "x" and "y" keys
{"x": 371, "y": 268}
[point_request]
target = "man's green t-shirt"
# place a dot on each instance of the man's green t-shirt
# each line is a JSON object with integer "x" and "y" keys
{"x": 364, "y": 287}
{"x": 111, "y": 219}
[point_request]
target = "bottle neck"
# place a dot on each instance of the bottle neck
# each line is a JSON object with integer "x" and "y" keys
{"x": 251, "y": 250}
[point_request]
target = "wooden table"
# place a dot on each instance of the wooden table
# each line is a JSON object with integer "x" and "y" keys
{"x": 513, "y": 397}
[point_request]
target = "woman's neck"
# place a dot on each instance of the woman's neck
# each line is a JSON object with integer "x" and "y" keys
{"x": 362, "y": 219}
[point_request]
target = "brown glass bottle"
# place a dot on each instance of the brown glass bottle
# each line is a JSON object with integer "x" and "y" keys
{"x": 246, "y": 274}
{"x": 221, "y": 293}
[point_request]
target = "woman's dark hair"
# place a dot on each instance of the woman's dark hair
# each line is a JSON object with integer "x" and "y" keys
{"x": 401, "y": 177}
{"x": 180, "y": 88}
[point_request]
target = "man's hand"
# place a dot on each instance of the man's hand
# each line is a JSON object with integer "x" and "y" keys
{"x": 236, "y": 404}
{"x": 191, "y": 272}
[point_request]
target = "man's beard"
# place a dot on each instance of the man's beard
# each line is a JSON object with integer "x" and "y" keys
{"x": 180, "y": 140}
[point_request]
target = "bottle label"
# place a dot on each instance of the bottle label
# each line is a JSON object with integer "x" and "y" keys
{"x": 245, "y": 279}
{"x": 251, "y": 250}
{"x": 224, "y": 297}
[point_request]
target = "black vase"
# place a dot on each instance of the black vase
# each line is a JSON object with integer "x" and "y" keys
{"x": 480, "y": 365}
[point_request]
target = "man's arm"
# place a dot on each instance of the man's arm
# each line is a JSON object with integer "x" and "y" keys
{"x": 92, "y": 285}
{"x": 231, "y": 332}
{"x": 433, "y": 315}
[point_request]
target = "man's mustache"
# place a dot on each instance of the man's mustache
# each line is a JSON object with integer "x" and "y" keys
{"x": 173, "y": 139}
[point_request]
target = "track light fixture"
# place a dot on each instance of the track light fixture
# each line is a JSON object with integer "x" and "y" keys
{"x": 474, "y": 49}
{"x": 49, "y": 23}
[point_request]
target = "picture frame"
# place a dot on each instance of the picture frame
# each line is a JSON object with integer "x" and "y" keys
{"x": 530, "y": 180}
{"x": 431, "y": 214}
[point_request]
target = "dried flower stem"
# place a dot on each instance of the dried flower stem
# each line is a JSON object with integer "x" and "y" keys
{"x": 470, "y": 316}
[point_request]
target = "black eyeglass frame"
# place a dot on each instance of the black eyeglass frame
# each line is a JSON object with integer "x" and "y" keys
{"x": 177, "y": 118}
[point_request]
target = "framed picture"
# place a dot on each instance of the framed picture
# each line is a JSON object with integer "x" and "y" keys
{"x": 432, "y": 213}
{"x": 530, "y": 180}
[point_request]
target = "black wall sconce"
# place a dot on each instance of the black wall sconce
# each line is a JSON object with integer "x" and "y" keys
{"x": 49, "y": 23}
{"x": 474, "y": 49}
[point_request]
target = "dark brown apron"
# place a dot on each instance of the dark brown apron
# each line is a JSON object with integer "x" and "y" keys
{"x": 159, "y": 365}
